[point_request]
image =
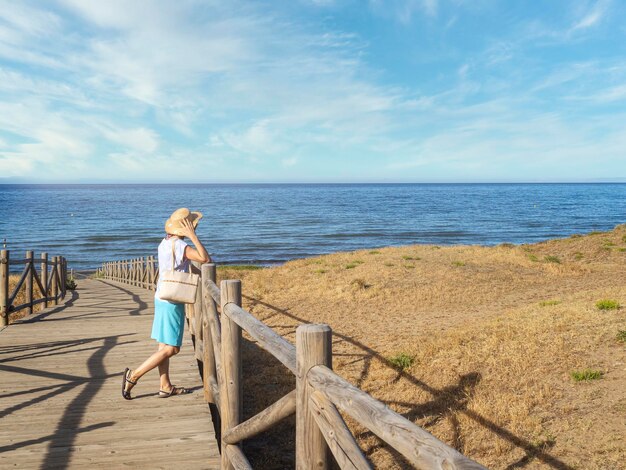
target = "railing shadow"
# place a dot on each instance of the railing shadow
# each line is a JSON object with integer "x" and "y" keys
{"x": 446, "y": 402}
{"x": 141, "y": 305}
{"x": 68, "y": 427}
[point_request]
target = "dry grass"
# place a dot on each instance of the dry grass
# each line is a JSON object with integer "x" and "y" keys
{"x": 490, "y": 364}
{"x": 22, "y": 297}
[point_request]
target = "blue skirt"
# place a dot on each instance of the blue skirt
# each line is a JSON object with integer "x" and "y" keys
{"x": 169, "y": 322}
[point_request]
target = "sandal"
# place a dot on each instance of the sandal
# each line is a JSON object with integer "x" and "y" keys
{"x": 125, "y": 381}
{"x": 174, "y": 391}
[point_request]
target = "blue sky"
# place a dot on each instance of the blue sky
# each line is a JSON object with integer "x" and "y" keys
{"x": 312, "y": 91}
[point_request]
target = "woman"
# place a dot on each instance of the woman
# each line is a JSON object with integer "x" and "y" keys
{"x": 169, "y": 317}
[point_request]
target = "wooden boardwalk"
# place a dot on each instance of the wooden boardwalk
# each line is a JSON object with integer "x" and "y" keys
{"x": 60, "y": 389}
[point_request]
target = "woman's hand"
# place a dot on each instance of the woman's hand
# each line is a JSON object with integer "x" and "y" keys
{"x": 187, "y": 229}
{"x": 199, "y": 253}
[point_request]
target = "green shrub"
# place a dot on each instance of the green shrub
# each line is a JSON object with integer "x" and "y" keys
{"x": 70, "y": 283}
{"x": 402, "y": 361}
{"x": 607, "y": 304}
{"x": 586, "y": 374}
{"x": 552, "y": 259}
{"x": 549, "y": 303}
{"x": 621, "y": 336}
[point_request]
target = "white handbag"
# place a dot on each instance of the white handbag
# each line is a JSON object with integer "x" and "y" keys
{"x": 178, "y": 286}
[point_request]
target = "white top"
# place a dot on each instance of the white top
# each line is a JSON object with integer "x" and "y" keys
{"x": 165, "y": 258}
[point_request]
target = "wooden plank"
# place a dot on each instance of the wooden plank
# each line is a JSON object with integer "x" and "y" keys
{"x": 60, "y": 393}
{"x": 420, "y": 448}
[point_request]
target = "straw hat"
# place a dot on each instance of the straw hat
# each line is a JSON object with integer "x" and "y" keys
{"x": 173, "y": 224}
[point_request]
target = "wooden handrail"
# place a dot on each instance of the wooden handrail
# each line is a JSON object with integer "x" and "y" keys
{"x": 50, "y": 281}
{"x": 319, "y": 390}
{"x": 419, "y": 446}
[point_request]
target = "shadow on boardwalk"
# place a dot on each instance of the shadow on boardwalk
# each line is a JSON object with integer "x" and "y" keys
{"x": 58, "y": 453}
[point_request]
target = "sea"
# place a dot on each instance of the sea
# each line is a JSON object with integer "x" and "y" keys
{"x": 270, "y": 224}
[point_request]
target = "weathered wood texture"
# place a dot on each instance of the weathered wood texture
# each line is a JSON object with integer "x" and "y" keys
{"x": 338, "y": 437}
{"x": 230, "y": 385}
{"x": 420, "y": 448}
{"x": 313, "y": 347}
{"x": 60, "y": 389}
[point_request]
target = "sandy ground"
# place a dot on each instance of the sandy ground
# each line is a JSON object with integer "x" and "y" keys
{"x": 491, "y": 336}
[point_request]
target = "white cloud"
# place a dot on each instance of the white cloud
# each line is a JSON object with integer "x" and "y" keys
{"x": 592, "y": 17}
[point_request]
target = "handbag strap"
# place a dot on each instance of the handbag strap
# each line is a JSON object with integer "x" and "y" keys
{"x": 174, "y": 253}
{"x": 174, "y": 256}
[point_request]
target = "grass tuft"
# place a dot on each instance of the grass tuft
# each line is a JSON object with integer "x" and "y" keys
{"x": 552, "y": 259}
{"x": 607, "y": 304}
{"x": 506, "y": 245}
{"x": 374, "y": 252}
{"x": 586, "y": 375}
{"x": 533, "y": 257}
{"x": 241, "y": 267}
{"x": 389, "y": 264}
{"x": 578, "y": 256}
{"x": 411, "y": 258}
{"x": 549, "y": 303}
{"x": 458, "y": 263}
{"x": 320, "y": 271}
{"x": 409, "y": 266}
{"x": 595, "y": 232}
{"x": 351, "y": 265}
{"x": 621, "y": 336}
{"x": 402, "y": 361}
{"x": 360, "y": 284}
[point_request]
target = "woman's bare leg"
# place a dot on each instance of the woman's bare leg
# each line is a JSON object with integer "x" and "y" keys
{"x": 163, "y": 353}
{"x": 164, "y": 372}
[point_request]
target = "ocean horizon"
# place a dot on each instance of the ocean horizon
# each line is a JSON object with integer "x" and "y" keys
{"x": 271, "y": 223}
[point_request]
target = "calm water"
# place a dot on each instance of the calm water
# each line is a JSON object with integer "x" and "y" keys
{"x": 274, "y": 223}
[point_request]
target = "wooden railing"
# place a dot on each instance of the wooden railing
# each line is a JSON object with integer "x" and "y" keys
{"x": 217, "y": 321}
{"x": 50, "y": 281}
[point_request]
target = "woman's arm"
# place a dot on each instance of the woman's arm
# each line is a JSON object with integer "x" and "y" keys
{"x": 198, "y": 253}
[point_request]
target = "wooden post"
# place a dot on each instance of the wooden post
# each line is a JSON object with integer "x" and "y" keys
{"x": 209, "y": 371}
{"x": 230, "y": 387}
{"x": 4, "y": 287}
{"x": 44, "y": 277}
{"x": 63, "y": 276}
{"x": 313, "y": 347}
{"x": 55, "y": 280}
{"x": 30, "y": 277}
